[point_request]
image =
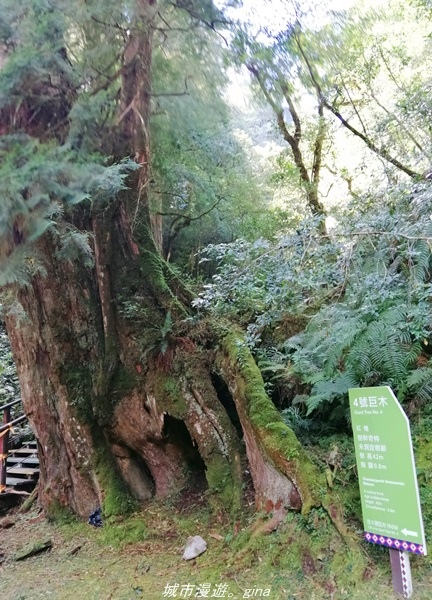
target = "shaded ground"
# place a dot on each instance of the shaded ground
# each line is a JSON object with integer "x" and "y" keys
{"x": 141, "y": 556}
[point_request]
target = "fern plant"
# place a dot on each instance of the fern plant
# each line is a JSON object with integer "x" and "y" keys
{"x": 365, "y": 292}
{"x": 377, "y": 333}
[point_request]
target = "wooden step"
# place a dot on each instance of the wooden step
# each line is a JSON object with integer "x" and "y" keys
{"x": 22, "y": 471}
{"x": 14, "y": 460}
{"x": 30, "y": 444}
{"x": 25, "y": 451}
{"x": 13, "y": 481}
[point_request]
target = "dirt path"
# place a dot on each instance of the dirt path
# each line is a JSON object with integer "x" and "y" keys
{"x": 127, "y": 561}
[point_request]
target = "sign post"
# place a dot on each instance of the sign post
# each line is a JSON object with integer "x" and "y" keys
{"x": 387, "y": 478}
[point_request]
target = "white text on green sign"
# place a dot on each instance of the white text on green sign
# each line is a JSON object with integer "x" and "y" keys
{"x": 386, "y": 470}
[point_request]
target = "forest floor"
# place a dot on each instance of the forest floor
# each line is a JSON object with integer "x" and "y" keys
{"x": 141, "y": 557}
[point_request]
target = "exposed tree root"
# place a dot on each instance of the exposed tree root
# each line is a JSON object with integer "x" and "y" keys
{"x": 267, "y": 526}
{"x": 283, "y": 475}
{"x": 28, "y": 502}
{"x": 335, "y": 512}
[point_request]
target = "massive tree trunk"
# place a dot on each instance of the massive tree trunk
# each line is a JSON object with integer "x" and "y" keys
{"x": 152, "y": 425}
{"x": 127, "y": 399}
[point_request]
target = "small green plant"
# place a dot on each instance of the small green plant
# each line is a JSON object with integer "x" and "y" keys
{"x": 134, "y": 310}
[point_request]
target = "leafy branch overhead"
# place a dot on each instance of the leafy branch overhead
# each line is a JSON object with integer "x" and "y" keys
{"x": 339, "y": 77}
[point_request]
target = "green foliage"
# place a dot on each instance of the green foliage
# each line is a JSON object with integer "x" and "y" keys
{"x": 134, "y": 310}
{"x": 40, "y": 184}
{"x": 62, "y": 68}
{"x": 158, "y": 338}
{"x": 75, "y": 246}
{"x": 256, "y": 281}
{"x": 364, "y": 68}
{"x": 375, "y": 69}
{"x": 9, "y": 385}
{"x": 365, "y": 292}
{"x": 419, "y": 383}
{"x": 203, "y": 185}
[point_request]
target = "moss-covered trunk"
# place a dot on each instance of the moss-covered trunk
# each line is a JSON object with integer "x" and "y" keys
{"x": 284, "y": 476}
{"x": 159, "y": 422}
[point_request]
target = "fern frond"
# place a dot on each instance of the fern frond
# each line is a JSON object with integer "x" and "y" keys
{"x": 75, "y": 246}
{"x": 421, "y": 257}
{"x": 419, "y": 383}
{"x": 327, "y": 391}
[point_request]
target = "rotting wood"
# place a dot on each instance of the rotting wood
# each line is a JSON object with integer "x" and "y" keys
{"x": 36, "y": 548}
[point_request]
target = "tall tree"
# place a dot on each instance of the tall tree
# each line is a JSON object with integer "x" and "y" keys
{"x": 318, "y": 70}
{"x": 275, "y": 73}
{"x": 128, "y": 397}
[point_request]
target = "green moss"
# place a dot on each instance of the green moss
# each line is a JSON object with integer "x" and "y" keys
{"x": 158, "y": 274}
{"x": 117, "y": 500}
{"x": 122, "y": 383}
{"x": 221, "y": 486}
{"x": 79, "y": 384}
{"x": 307, "y": 550}
{"x": 90, "y": 407}
{"x": 223, "y": 473}
{"x": 116, "y": 532}
{"x": 168, "y": 392}
{"x": 424, "y": 457}
{"x": 171, "y": 387}
{"x": 153, "y": 270}
{"x": 152, "y": 264}
{"x": 58, "y": 513}
{"x": 349, "y": 567}
{"x": 277, "y": 440}
{"x": 119, "y": 534}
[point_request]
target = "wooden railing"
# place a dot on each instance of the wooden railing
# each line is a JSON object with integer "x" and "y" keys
{"x": 5, "y": 428}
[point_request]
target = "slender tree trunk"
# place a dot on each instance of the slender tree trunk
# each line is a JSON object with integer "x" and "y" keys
{"x": 310, "y": 182}
{"x": 135, "y": 109}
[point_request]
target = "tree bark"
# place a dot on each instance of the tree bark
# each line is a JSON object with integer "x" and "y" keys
{"x": 150, "y": 432}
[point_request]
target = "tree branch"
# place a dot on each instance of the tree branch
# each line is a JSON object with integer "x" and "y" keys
{"x": 169, "y": 28}
{"x": 292, "y": 109}
{"x": 188, "y": 217}
{"x": 400, "y": 124}
{"x": 292, "y": 140}
{"x": 184, "y": 93}
{"x": 109, "y": 80}
{"x": 184, "y": 5}
{"x": 355, "y": 108}
{"x": 112, "y": 25}
{"x": 380, "y": 152}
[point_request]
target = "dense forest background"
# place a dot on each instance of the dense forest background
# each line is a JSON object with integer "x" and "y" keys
{"x": 212, "y": 225}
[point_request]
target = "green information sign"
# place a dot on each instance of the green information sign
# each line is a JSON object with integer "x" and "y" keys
{"x": 386, "y": 470}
